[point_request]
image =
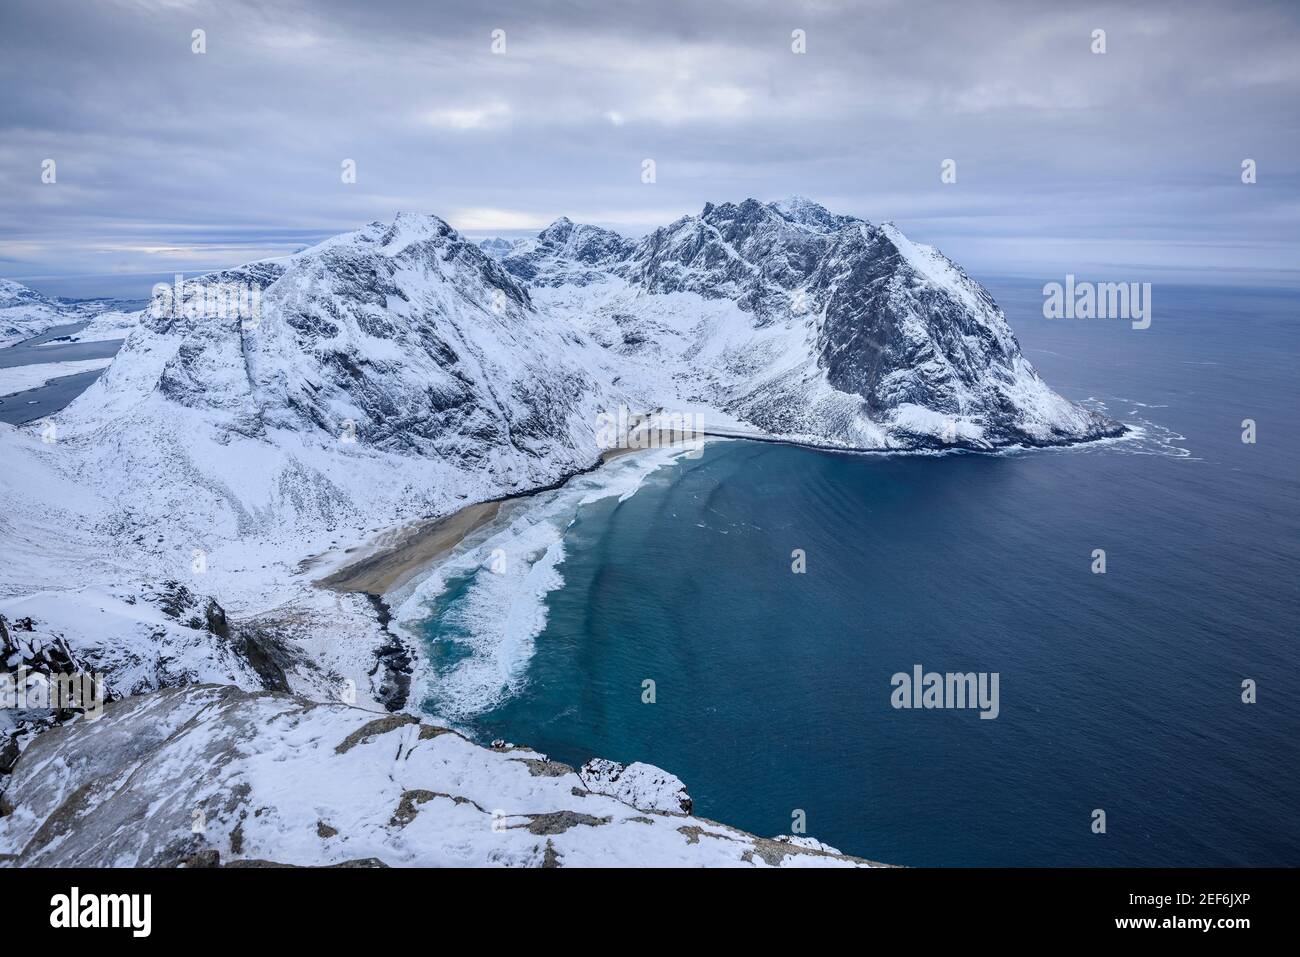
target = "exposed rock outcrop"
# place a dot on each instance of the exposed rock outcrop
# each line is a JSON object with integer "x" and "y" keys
{"x": 202, "y": 775}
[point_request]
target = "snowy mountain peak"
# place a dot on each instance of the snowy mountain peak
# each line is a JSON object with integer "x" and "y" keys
{"x": 407, "y": 228}
{"x": 580, "y": 241}
{"x": 16, "y": 294}
{"x": 25, "y": 312}
{"x": 564, "y": 252}
{"x": 806, "y": 212}
{"x": 558, "y": 231}
{"x": 496, "y": 247}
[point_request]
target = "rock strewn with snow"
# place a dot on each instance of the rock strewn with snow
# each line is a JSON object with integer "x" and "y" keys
{"x": 640, "y": 785}
{"x": 133, "y": 641}
{"x": 147, "y": 637}
{"x": 205, "y": 775}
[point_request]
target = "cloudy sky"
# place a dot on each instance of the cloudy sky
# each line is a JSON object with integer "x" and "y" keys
{"x": 1125, "y": 164}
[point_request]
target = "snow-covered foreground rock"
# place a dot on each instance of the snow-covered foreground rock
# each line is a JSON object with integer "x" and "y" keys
{"x": 641, "y": 785}
{"x": 208, "y": 774}
{"x": 400, "y": 372}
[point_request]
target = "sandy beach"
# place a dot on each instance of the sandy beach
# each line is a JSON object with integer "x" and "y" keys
{"x": 394, "y": 562}
{"x": 395, "y": 557}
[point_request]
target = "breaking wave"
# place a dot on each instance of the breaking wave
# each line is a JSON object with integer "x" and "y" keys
{"x": 1147, "y": 437}
{"x": 480, "y": 608}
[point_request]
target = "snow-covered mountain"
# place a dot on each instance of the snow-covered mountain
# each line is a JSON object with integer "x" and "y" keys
{"x": 565, "y": 252}
{"x": 400, "y": 371}
{"x": 402, "y": 335}
{"x": 806, "y": 325}
{"x": 781, "y": 318}
{"x": 24, "y": 312}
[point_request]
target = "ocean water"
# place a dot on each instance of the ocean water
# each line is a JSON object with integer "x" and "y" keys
{"x": 45, "y": 348}
{"x": 1118, "y": 691}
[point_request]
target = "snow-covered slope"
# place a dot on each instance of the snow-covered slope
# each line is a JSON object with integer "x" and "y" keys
{"x": 100, "y": 629}
{"x": 105, "y": 319}
{"x": 25, "y": 312}
{"x": 139, "y": 638}
{"x": 20, "y": 378}
{"x": 394, "y": 372}
{"x": 403, "y": 336}
{"x": 399, "y": 370}
{"x": 207, "y": 775}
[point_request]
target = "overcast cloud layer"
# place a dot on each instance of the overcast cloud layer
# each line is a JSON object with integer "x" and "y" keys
{"x": 1126, "y": 164}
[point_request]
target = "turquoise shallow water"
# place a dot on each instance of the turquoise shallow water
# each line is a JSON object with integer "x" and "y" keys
{"x": 1118, "y": 691}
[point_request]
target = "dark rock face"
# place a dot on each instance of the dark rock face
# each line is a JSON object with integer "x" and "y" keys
{"x": 752, "y": 252}
{"x": 868, "y": 293}
{"x": 266, "y": 654}
{"x": 25, "y": 650}
{"x": 394, "y": 659}
{"x": 261, "y": 649}
{"x": 176, "y": 601}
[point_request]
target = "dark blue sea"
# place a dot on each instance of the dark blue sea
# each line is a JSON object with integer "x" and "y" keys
{"x": 1119, "y": 691}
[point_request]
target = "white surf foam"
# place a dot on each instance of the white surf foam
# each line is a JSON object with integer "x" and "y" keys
{"x": 488, "y": 595}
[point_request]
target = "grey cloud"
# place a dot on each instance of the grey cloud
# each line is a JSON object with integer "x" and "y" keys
{"x": 169, "y": 160}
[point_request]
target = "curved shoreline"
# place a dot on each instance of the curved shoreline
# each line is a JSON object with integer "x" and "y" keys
{"x": 394, "y": 557}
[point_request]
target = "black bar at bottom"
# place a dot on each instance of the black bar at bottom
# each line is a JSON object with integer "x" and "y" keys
{"x": 367, "y": 906}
